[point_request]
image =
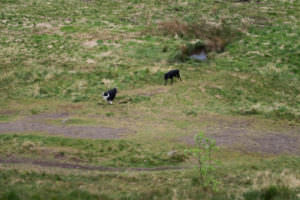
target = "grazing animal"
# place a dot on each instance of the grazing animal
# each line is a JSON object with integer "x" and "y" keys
{"x": 110, "y": 95}
{"x": 171, "y": 74}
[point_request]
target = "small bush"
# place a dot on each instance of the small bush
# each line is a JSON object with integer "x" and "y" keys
{"x": 11, "y": 195}
{"x": 271, "y": 193}
{"x": 191, "y": 113}
{"x": 189, "y": 49}
{"x": 79, "y": 194}
{"x": 205, "y": 164}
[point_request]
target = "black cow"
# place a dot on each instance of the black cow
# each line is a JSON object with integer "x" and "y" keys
{"x": 171, "y": 74}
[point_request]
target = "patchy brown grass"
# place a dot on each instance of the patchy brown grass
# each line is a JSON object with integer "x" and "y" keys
{"x": 216, "y": 36}
{"x": 174, "y": 28}
{"x": 263, "y": 179}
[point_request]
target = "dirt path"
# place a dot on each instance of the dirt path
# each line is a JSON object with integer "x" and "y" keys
{"x": 235, "y": 133}
{"x": 241, "y": 135}
{"x": 42, "y": 163}
{"x": 37, "y": 124}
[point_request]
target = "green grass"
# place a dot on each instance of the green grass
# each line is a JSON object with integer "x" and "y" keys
{"x": 51, "y": 55}
{"x": 4, "y": 118}
{"x": 118, "y": 153}
{"x": 23, "y": 183}
{"x": 273, "y": 192}
{"x": 59, "y": 56}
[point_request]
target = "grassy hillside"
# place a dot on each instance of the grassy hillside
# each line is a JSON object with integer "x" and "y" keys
{"x": 58, "y": 56}
{"x": 73, "y": 50}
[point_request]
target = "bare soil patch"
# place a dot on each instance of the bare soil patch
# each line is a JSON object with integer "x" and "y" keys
{"x": 244, "y": 136}
{"x": 277, "y": 143}
{"x": 49, "y": 116}
{"x": 8, "y": 112}
{"x": 36, "y": 124}
{"x": 90, "y": 44}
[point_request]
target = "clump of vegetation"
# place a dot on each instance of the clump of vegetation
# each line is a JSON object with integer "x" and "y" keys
{"x": 206, "y": 166}
{"x": 273, "y": 192}
{"x": 133, "y": 99}
{"x": 202, "y": 29}
{"x": 212, "y": 37}
{"x": 190, "y": 49}
{"x": 173, "y": 28}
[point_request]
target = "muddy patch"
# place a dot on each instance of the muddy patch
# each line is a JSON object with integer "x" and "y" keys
{"x": 36, "y": 124}
{"x": 44, "y": 163}
{"x": 199, "y": 56}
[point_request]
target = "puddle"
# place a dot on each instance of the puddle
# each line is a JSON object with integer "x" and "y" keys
{"x": 197, "y": 51}
{"x": 200, "y": 57}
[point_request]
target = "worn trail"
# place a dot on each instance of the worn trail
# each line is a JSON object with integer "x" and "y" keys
{"x": 234, "y": 134}
{"x": 43, "y": 163}
{"x": 37, "y": 124}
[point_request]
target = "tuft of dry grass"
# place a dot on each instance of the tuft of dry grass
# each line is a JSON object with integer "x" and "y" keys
{"x": 215, "y": 35}
{"x": 174, "y": 28}
{"x": 266, "y": 178}
{"x": 211, "y": 37}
